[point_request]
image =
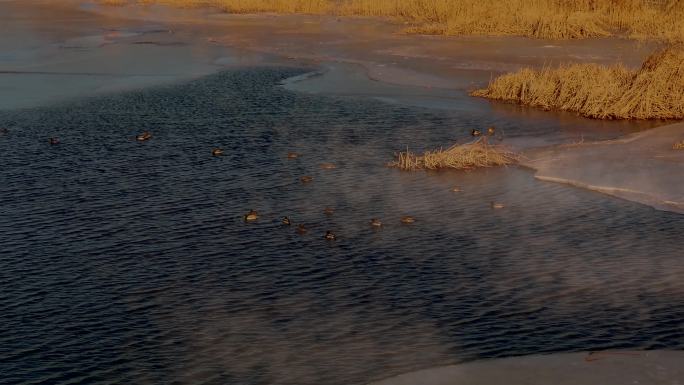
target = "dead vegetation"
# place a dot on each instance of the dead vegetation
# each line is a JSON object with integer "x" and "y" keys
{"x": 654, "y": 91}
{"x": 459, "y": 156}
{"x": 554, "y": 19}
{"x": 678, "y": 145}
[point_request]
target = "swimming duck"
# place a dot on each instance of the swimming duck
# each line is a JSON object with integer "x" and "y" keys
{"x": 252, "y": 215}
{"x": 475, "y": 132}
{"x": 286, "y": 221}
{"x": 375, "y": 222}
{"x": 328, "y": 166}
{"x": 329, "y": 235}
{"x": 329, "y": 211}
{"x": 301, "y": 229}
{"x": 292, "y": 155}
{"x": 456, "y": 189}
{"x": 496, "y": 205}
{"x": 306, "y": 179}
{"x": 407, "y": 219}
{"x": 491, "y": 130}
{"x": 54, "y": 141}
{"x": 144, "y": 136}
{"x": 217, "y": 152}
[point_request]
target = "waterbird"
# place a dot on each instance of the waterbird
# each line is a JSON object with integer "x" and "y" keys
{"x": 301, "y": 229}
{"x": 54, "y": 141}
{"x": 144, "y": 136}
{"x": 306, "y": 179}
{"x": 407, "y": 219}
{"x": 286, "y": 221}
{"x": 456, "y": 189}
{"x": 329, "y": 211}
{"x": 475, "y": 132}
{"x": 329, "y": 235}
{"x": 375, "y": 222}
{"x": 491, "y": 130}
{"x": 292, "y": 155}
{"x": 4, "y": 130}
{"x": 217, "y": 152}
{"x": 328, "y": 166}
{"x": 252, "y": 215}
{"x": 496, "y": 205}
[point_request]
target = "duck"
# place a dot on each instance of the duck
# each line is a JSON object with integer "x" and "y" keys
{"x": 475, "y": 132}
{"x": 217, "y": 152}
{"x": 375, "y": 222}
{"x": 496, "y": 205}
{"x": 329, "y": 211}
{"x": 407, "y": 219}
{"x": 306, "y": 179}
{"x": 4, "y": 130}
{"x": 456, "y": 189}
{"x": 252, "y": 215}
{"x": 54, "y": 141}
{"x": 292, "y": 155}
{"x": 301, "y": 229}
{"x": 491, "y": 130}
{"x": 286, "y": 221}
{"x": 328, "y": 166}
{"x": 144, "y": 136}
{"x": 329, "y": 235}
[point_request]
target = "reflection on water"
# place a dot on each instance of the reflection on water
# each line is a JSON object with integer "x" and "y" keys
{"x": 128, "y": 262}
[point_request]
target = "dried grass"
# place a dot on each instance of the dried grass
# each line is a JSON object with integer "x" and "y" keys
{"x": 555, "y": 19}
{"x": 459, "y": 156}
{"x": 654, "y": 91}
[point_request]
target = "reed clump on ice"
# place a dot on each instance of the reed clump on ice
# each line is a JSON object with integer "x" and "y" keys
{"x": 549, "y": 19}
{"x": 459, "y": 156}
{"x": 654, "y": 91}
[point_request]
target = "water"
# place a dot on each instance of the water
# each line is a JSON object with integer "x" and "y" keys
{"x": 128, "y": 262}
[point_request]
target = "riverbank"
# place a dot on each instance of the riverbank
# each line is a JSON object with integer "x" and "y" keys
{"x": 102, "y": 49}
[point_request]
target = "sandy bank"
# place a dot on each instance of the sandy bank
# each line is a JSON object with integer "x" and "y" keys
{"x": 606, "y": 368}
{"x": 641, "y": 167}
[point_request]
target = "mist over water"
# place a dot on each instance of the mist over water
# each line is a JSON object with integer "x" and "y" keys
{"x": 128, "y": 262}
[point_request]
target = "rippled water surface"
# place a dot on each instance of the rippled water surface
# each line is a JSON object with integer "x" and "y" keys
{"x": 128, "y": 262}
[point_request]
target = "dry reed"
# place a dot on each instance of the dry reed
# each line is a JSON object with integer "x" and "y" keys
{"x": 459, "y": 156}
{"x": 653, "y": 19}
{"x": 654, "y": 91}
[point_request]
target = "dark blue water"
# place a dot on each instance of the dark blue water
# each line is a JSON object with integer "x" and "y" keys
{"x": 128, "y": 262}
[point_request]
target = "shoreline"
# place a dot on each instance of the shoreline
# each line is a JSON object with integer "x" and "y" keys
{"x": 614, "y": 367}
{"x": 108, "y": 49}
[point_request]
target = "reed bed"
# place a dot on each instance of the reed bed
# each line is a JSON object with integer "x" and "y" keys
{"x": 459, "y": 156}
{"x": 554, "y": 19}
{"x": 654, "y": 91}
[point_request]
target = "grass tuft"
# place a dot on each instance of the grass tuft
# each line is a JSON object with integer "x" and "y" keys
{"x": 459, "y": 156}
{"x": 654, "y": 91}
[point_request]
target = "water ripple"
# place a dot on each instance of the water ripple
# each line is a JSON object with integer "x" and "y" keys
{"x": 127, "y": 262}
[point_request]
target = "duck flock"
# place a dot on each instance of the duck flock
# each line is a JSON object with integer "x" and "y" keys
{"x": 253, "y": 215}
{"x": 301, "y": 228}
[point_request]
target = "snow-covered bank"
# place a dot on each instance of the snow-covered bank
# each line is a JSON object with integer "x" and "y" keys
{"x": 641, "y": 167}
